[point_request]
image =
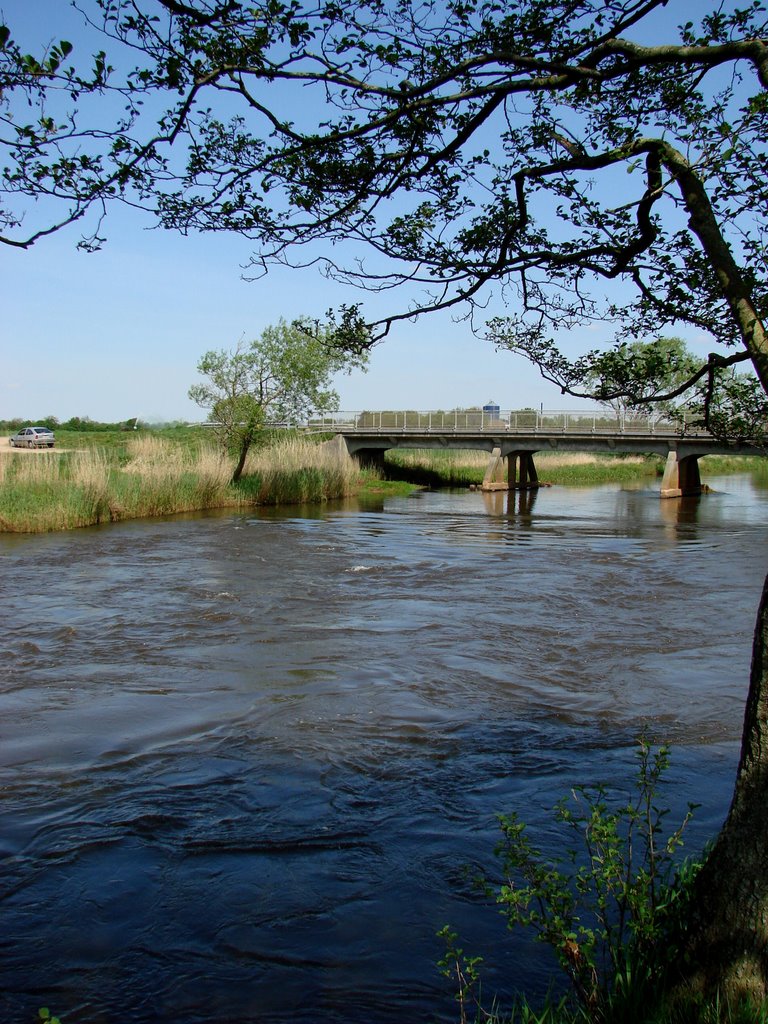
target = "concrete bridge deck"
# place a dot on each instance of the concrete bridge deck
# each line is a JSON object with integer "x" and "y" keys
{"x": 512, "y": 439}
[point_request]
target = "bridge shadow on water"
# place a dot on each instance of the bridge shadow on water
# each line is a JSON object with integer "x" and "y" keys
{"x": 423, "y": 477}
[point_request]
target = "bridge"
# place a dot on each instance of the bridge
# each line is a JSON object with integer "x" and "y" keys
{"x": 512, "y": 438}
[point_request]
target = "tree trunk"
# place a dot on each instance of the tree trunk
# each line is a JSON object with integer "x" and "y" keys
{"x": 238, "y": 470}
{"x": 728, "y": 939}
{"x": 734, "y": 284}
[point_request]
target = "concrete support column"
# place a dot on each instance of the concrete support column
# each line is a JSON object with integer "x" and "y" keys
{"x": 519, "y": 474}
{"x": 522, "y": 471}
{"x": 495, "y": 474}
{"x": 690, "y": 477}
{"x": 527, "y": 478}
{"x": 681, "y": 476}
{"x": 338, "y": 446}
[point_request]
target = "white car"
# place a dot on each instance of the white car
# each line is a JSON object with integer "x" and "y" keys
{"x": 33, "y": 437}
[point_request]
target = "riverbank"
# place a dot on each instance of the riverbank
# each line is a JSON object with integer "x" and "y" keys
{"x": 149, "y": 475}
{"x": 96, "y": 478}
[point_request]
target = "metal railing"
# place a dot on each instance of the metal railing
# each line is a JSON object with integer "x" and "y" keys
{"x": 580, "y": 421}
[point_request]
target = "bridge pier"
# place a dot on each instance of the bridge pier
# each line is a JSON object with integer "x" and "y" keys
{"x": 495, "y": 478}
{"x": 522, "y": 471}
{"x": 519, "y": 473}
{"x": 681, "y": 476}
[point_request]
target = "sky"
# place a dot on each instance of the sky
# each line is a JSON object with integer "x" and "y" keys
{"x": 118, "y": 333}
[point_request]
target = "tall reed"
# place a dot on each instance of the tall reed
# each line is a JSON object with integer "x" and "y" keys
{"x": 152, "y": 476}
{"x": 296, "y": 470}
{"x": 161, "y": 477}
{"x": 54, "y": 491}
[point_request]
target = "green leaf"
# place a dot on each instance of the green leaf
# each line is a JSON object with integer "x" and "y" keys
{"x": 30, "y": 64}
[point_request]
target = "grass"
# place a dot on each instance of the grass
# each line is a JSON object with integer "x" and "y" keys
{"x": 57, "y": 491}
{"x": 721, "y": 465}
{"x": 151, "y": 475}
{"x": 188, "y": 437}
{"x": 293, "y": 471}
{"x": 695, "y": 1011}
{"x": 583, "y": 469}
{"x": 436, "y": 468}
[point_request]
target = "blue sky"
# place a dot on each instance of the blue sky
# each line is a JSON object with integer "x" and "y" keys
{"x": 118, "y": 333}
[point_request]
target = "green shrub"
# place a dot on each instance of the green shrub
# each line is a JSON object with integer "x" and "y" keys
{"x": 609, "y": 906}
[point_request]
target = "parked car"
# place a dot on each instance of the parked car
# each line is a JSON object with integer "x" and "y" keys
{"x": 33, "y": 437}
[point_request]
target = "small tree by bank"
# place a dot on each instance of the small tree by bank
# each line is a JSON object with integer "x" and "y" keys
{"x": 284, "y": 375}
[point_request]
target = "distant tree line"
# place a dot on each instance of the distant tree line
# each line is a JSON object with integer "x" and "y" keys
{"x": 79, "y": 423}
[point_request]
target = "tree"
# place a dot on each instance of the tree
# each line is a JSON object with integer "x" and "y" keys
{"x": 578, "y": 160}
{"x": 285, "y": 375}
{"x": 634, "y": 375}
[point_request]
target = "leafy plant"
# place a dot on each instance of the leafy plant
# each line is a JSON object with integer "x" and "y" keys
{"x": 608, "y": 905}
{"x": 463, "y": 970}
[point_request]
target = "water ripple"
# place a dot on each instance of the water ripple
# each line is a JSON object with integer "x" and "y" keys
{"x": 245, "y": 759}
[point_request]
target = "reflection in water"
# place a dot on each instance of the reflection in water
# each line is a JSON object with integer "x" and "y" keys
{"x": 510, "y": 503}
{"x": 681, "y": 516}
{"x": 245, "y": 758}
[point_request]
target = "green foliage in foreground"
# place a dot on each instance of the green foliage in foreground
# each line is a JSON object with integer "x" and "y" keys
{"x": 611, "y": 907}
{"x": 561, "y": 1011}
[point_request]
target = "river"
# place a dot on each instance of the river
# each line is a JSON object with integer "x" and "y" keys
{"x": 246, "y": 759}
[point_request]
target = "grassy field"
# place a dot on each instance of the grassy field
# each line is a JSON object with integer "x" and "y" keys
{"x": 152, "y": 475}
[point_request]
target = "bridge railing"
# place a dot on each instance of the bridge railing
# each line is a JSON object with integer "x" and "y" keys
{"x": 506, "y": 421}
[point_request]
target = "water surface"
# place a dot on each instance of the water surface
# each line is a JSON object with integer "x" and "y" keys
{"x": 245, "y": 759}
